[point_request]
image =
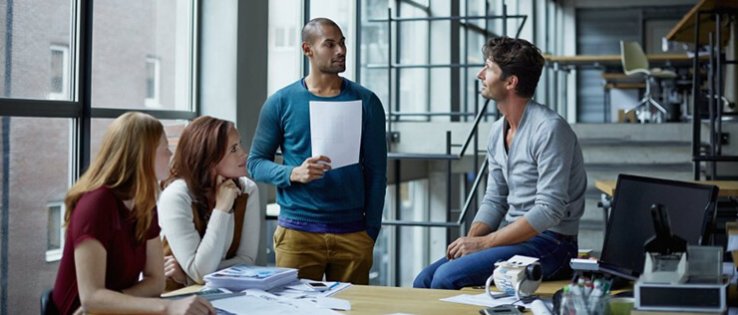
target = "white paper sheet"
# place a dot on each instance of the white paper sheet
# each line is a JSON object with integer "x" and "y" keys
{"x": 732, "y": 242}
{"x": 265, "y": 303}
{"x": 335, "y": 131}
{"x": 483, "y": 299}
{"x": 300, "y": 290}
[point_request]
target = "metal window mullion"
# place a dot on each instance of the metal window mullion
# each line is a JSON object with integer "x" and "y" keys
{"x": 84, "y": 85}
{"x": 158, "y": 113}
{"x": 305, "y": 20}
{"x": 357, "y": 48}
{"x": 39, "y": 108}
{"x": 195, "y": 62}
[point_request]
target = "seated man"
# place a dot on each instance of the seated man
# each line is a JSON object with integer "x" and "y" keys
{"x": 536, "y": 179}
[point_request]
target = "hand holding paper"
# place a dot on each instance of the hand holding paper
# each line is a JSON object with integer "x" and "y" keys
{"x": 311, "y": 169}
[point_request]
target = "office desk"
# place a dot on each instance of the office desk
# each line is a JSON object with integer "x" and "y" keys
{"x": 728, "y": 188}
{"x": 562, "y": 66}
{"x": 579, "y": 60}
{"x": 684, "y": 30}
{"x": 387, "y": 300}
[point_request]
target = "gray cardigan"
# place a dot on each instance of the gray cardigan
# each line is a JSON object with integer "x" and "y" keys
{"x": 541, "y": 178}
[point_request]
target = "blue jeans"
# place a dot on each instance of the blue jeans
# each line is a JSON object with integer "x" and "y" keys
{"x": 553, "y": 249}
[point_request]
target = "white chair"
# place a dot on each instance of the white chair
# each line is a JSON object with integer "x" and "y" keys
{"x": 635, "y": 62}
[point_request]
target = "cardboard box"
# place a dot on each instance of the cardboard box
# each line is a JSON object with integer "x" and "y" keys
{"x": 627, "y": 118}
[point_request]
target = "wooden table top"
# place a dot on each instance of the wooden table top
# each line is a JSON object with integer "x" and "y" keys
{"x": 613, "y": 59}
{"x": 388, "y": 300}
{"x": 728, "y": 188}
{"x": 366, "y": 299}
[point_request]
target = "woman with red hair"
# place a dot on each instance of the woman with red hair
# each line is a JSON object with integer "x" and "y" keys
{"x": 209, "y": 210}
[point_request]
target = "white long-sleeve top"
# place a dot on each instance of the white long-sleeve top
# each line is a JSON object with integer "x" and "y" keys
{"x": 201, "y": 256}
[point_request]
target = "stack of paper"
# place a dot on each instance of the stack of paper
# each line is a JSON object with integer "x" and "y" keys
{"x": 241, "y": 277}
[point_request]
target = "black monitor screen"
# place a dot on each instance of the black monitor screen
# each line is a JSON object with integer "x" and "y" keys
{"x": 630, "y": 224}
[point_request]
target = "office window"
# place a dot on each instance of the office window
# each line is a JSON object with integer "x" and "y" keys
{"x": 280, "y": 39}
{"x": 285, "y": 37}
{"x": 152, "y": 82}
{"x": 39, "y": 74}
{"x": 59, "y": 73}
{"x": 343, "y": 13}
{"x": 285, "y": 57}
{"x": 28, "y": 68}
{"x": 127, "y": 34}
{"x": 172, "y": 128}
{"x": 374, "y": 48}
{"x": 34, "y": 169}
{"x": 55, "y": 231}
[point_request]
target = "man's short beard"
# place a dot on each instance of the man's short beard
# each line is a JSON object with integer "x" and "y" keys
{"x": 334, "y": 70}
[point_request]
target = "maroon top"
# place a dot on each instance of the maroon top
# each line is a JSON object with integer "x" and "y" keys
{"x": 100, "y": 215}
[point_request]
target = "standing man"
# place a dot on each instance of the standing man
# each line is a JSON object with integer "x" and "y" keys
{"x": 329, "y": 219}
{"x": 536, "y": 179}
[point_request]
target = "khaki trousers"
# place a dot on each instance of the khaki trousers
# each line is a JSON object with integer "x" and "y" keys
{"x": 341, "y": 257}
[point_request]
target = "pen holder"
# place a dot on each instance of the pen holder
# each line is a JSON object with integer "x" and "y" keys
{"x": 582, "y": 304}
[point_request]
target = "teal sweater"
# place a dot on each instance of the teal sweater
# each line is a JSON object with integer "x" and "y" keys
{"x": 345, "y": 195}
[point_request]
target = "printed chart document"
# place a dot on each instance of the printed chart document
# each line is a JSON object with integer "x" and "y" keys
{"x": 256, "y": 302}
{"x": 335, "y": 131}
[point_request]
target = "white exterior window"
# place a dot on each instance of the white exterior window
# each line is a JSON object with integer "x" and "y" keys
{"x": 59, "y": 70}
{"x": 153, "y": 75}
{"x": 55, "y": 231}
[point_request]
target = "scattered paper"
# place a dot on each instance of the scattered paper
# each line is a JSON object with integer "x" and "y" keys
{"x": 483, "y": 299}
{"x": 257, "y": 303}
{"x": 538, "y": 307}
{"x": 298, "y": 290}
{"x": 732, "y": 242}
{"x": 519, "y": 260}
{"x": 333, "y": 303}
{"x": 335, "y": 131}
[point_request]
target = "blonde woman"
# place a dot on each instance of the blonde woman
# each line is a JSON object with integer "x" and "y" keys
{"x": 112, "y": 258}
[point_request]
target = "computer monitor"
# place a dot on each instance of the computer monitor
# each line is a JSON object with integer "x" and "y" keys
{"x": 690, "y": 206}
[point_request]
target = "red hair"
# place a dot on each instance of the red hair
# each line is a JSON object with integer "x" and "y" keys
{"x": 201, "y": 146}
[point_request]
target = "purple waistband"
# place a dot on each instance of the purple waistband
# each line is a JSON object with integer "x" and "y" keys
{"x": 337, "y": 228}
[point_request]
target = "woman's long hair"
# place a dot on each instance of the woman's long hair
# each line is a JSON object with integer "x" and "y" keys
{"x": 125, "y": 164}
{"x": 202, "y": 144}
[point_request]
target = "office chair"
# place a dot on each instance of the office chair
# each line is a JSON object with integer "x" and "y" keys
{"x": 635, "y": 62}
{"x": 47, "y": 304}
